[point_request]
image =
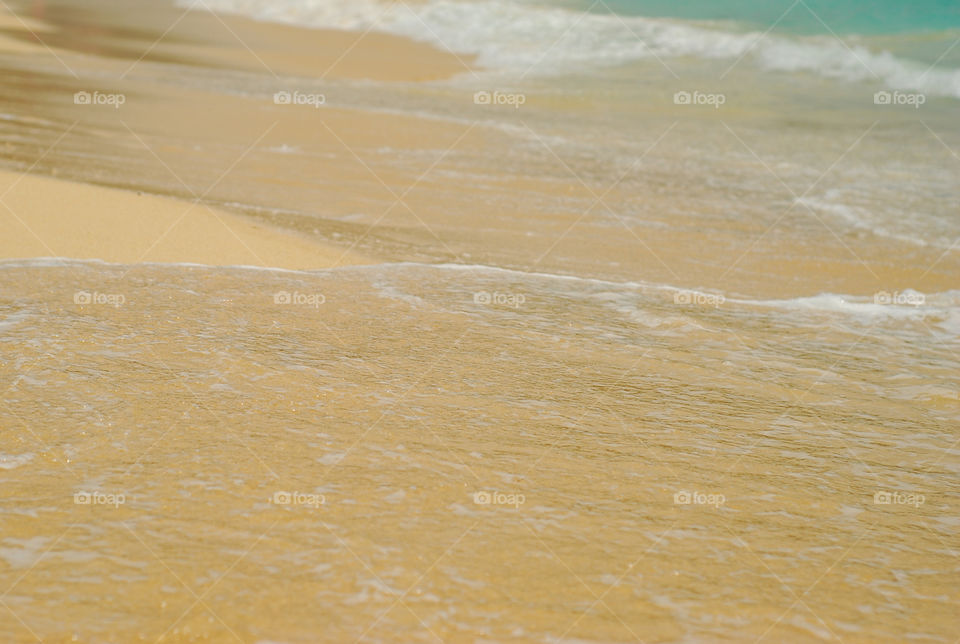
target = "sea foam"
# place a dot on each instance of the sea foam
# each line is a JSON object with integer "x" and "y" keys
{"x": 522, "y": 39}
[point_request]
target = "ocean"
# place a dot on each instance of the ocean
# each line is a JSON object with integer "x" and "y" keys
{"x": 886, "y": 44}
{"x": 848, "y": 17}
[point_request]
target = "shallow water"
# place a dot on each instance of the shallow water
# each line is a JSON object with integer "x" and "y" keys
{"x": 388, "y": 400}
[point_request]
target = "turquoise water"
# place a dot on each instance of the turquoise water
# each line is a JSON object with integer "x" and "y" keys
{"x": 807, "y": 16}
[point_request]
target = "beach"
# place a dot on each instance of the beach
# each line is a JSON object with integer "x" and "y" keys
{"x": 478, "y": 321}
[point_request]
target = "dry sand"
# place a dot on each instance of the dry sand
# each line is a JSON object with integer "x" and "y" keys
{"x": 43, "y": 217}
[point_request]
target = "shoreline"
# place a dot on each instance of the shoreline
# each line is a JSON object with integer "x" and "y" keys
{"x": 106, "y": 39}
{"x": 336, "y": 174}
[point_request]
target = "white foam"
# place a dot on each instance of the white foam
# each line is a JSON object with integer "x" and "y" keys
{"x": 523, "y": 38}
{"x": 10, "y": 461}
{"x": 944, "y": 306}
{"x": 941, "y": 309}
{"x": 23, "y": 553}
{"x": 12, "y": 321}
{"x": 284, "y": 149}
{"x": 874, "y": 221}
{"x": 391, "y": 293}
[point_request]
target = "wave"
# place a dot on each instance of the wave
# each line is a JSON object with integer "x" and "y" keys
{"x": 907, "y": 304}
{"x": 895, "y": 305}
{"x": 524, "y": 39}
{"x": 883, "y": 225}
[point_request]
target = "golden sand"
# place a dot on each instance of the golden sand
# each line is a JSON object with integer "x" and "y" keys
{"x": 45, "y": 217}
{"x": 159, "y": 32}
{"x": 22, "y": 34}
{"x": 489, "y": 412}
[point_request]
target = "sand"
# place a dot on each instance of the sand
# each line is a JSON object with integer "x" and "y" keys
{"x": 48, "y": 217}
{"x": 52, "y": 217}
{"x": 405, "y": 393}
{"x": 21, "y": 34}
{"x": 44, "y": 217}
{"x": 160, "y": 32}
